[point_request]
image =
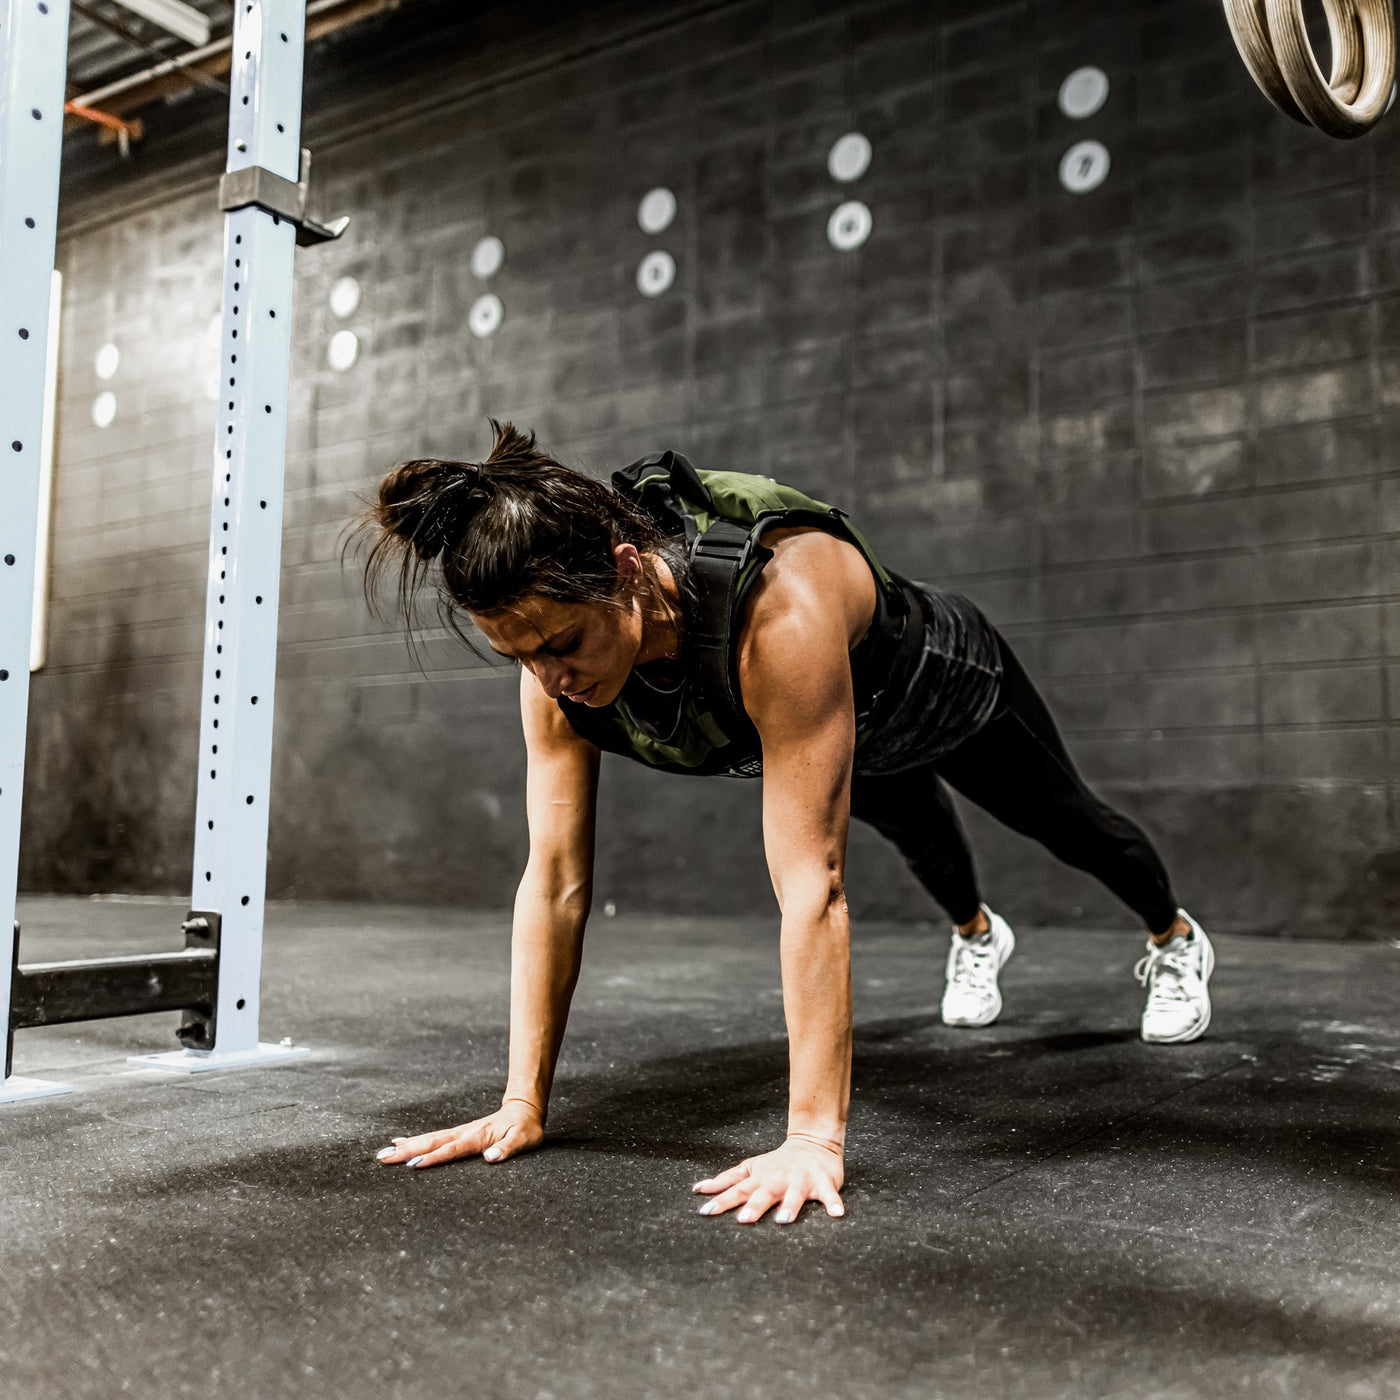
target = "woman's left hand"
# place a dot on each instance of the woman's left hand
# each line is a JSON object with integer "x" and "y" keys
{"x": 801, "y": 1170}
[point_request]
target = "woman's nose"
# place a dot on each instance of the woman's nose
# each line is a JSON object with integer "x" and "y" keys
{"x": 551, "y": 679}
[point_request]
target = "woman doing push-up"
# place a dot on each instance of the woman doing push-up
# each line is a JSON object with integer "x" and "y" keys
{"x": 714, "y": 622}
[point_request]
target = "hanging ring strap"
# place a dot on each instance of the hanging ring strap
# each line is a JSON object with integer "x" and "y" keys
{"x": 1272, "y": 38}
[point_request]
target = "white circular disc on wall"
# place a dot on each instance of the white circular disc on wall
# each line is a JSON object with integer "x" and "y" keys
{"x": 104, "y": 408}
{"x": 657, "y": 210}
{"x": 106, "y": 360}
{"x": 486, "y": 315}
{"x": 849, "y": 158}
{"x": 343, "y": 350}
{"x": 849, "y": 226}
{"x": 1083, "y": 92}
{"x": 655, "y": 274}
{"x": 1084, "y": 166}
{"x": 487, "y": 257}
{"x": 345, "y": 297}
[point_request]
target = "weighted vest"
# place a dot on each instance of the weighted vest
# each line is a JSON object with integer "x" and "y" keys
{"x": 699, "y": 725}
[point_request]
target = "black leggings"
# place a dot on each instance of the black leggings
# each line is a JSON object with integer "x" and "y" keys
{"x": 1017, "y": 768}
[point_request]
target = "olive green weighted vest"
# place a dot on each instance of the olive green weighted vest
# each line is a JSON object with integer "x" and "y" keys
{"x": 699, "y": 725}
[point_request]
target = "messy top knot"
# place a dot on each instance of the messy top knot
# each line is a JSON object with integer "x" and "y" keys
{"x": 429, "y": 504}
{"x": 493, "y": 532}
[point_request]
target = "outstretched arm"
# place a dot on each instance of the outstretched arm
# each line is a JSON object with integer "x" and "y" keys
{"x": 551, "y": 909}
{"x": 796, "y": 680}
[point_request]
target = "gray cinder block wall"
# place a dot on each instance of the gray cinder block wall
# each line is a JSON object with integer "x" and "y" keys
{"x": 1149, "y": 428}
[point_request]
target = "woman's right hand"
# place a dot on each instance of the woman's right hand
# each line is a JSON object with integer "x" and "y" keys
{"x": 514, "y": 1127}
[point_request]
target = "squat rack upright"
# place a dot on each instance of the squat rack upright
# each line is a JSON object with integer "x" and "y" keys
{"x": 216, "y": 979}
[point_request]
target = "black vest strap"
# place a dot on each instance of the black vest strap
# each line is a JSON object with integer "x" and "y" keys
{"x": 716, "y": 559}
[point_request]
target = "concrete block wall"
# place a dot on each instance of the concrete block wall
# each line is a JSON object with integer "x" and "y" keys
{"x": 1148, "y": 428}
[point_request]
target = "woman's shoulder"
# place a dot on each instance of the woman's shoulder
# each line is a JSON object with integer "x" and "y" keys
{"x": 812, "y": 573}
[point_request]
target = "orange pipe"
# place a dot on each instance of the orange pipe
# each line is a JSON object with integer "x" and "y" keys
{"x": 76, "y": 109}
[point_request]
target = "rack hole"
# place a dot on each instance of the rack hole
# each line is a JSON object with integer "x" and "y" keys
{"x": 244, "y": 900}
{"x": 29, "y": 223}
{"x": 17, "y": 445}
{"x": 250, "y": 799}
{"x": 24, "y": 333}
{"x": 9, "y": 558}
{"x": 241, "y": 1003}
{"x": 36, "y": 114}
{"x": 258, "y": 599}
{"x": 255, "y": 701}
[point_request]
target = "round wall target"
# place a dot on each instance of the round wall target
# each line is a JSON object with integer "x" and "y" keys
{"x": 343, "y": 351}
{"x": 487, "y": 257}
{"x": 104, "y": 409}
{"x": 849, "y": 158}
{"x": 657, "y": 210}
{"x": 486, "y": 315}
{"x": 849, "y": 226}
{"x": 1084, "y": 166}
{"x": 106, "y": 361}
{"x": 345, "y": 297}
{"x": 656, "y": 273}
{"x": 1083, "y": 92}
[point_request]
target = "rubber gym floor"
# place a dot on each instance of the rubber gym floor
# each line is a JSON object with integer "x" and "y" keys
{"x": 1046, "y": 1208}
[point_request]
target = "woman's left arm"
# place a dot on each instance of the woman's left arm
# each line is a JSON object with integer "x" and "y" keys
{"x": 796, "y": 679}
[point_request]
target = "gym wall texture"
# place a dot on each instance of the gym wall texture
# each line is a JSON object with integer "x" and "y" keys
{"x": 1149, "y": 428}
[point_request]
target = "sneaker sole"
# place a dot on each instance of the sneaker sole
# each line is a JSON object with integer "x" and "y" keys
{"x": 996, "y": 1010}
{"x": 1196, "y": 1031}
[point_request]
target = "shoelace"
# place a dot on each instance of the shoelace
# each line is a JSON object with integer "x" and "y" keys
{"x": 974, "y": 966}
{"x": 1167, "y": 973}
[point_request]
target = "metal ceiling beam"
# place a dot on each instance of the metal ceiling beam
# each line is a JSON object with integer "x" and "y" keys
{"x": 173, "y": 75}
{"x": 174, "y": 16}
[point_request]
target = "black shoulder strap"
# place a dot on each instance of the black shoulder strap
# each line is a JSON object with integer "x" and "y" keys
{"x": 672, "y": 503}
{"x": 717, "y": 558}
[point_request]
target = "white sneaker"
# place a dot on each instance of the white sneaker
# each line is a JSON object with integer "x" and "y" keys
{"x": 1175, "y": 975}
{"x": 972, "y": 997}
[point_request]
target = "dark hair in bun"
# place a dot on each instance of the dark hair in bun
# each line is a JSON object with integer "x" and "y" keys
{"x": 493, "y": 532}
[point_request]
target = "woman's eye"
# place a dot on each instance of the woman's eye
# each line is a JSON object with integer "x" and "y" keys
{"x": 568, "y": 647}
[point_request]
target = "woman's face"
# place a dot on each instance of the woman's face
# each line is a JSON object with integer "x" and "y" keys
{"x": 584, "y": 651}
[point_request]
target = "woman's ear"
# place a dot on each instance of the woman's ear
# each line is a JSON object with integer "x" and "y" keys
{"x": 630, "y": 568}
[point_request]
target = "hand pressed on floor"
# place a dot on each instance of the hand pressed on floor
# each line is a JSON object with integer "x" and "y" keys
{"x": 512, "y": 1128}
{"x": 799, "y": 1171}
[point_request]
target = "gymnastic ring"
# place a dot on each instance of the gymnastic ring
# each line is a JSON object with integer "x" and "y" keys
{"x": 1272, "y": 39}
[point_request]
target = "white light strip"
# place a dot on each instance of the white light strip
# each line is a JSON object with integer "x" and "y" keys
{"x": 39, "y": 634}
{"x": 174, "y": 16}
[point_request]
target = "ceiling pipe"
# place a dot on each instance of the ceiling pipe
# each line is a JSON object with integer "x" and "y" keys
{"x": 126, "y": 131}
{"x": 216, "y": 53}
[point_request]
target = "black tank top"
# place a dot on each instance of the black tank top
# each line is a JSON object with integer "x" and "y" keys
{"x": 926, "y": 675}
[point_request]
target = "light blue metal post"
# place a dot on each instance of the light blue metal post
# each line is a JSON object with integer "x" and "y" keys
{"x": 33, "y": 63}
{"x": 245, "y": 542}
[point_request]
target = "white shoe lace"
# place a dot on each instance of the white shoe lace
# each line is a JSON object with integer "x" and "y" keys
{"x": 974, "y": 965}
{"x": 1166, "y": 976}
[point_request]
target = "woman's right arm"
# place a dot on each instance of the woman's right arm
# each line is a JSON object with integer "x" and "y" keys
{"x": 551, "y": 909}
